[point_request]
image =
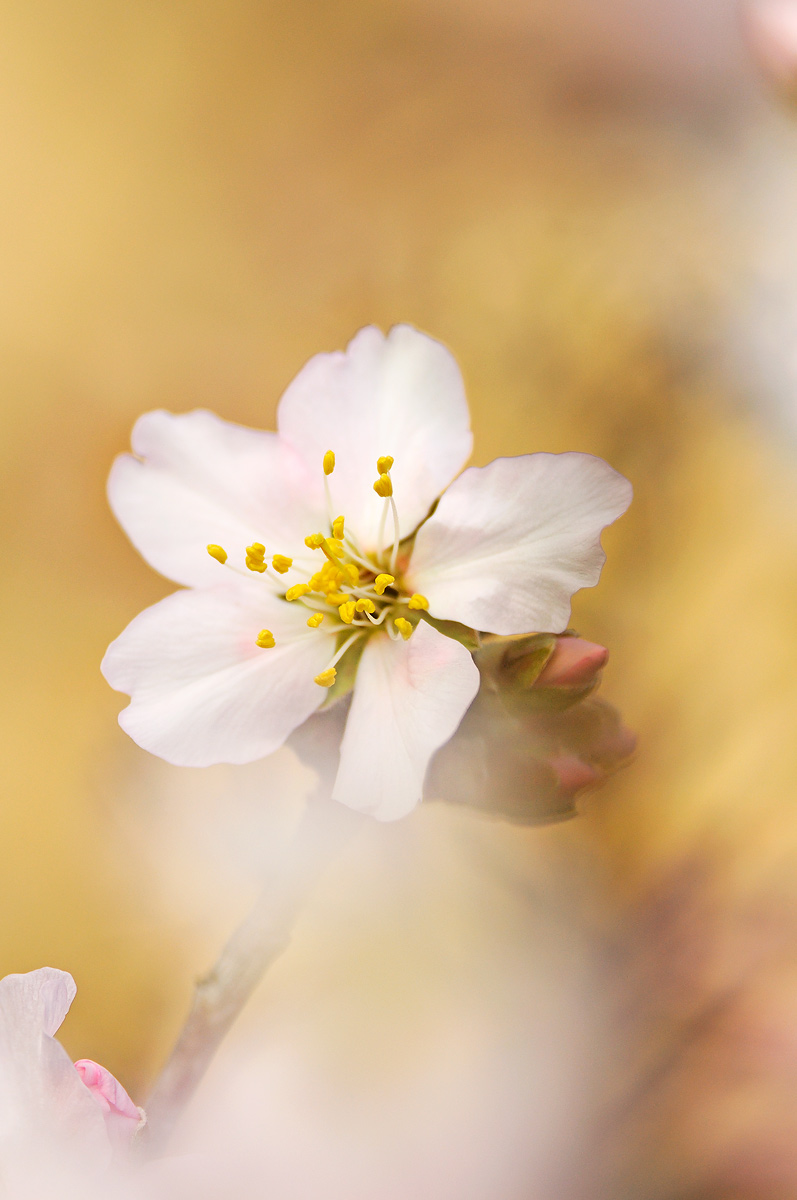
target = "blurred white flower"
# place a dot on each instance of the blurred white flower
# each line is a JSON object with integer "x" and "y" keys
{"x": 365, "y": 576}
{"x": 55, "y": 1116}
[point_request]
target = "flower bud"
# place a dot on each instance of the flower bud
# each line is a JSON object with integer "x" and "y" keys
{"x": 573, "y": 663}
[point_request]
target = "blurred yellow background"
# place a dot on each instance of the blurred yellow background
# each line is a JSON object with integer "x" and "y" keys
{"x": 589, "y": 203}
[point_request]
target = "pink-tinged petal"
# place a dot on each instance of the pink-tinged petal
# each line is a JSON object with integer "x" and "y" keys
{"x": 409, "y": 699}
{"x": 42, "y": 998}
{"x": 202, "y": 691}
{"x": 574, "y": 663}
{"x": 46, "y": 1115}
{"x": 400, "y": 395}
{"x": 511, "y": 542}
{"x": 196, "y": 480}
{"x": 122, "y": 1117}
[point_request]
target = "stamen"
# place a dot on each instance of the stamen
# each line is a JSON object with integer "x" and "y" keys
{"x": 384, "y": 464}
{"x": 217, "y": 552}
{"x": 255, "y": 557}
{"x": 329, "y": 462}
{"x": 317, "y": 541}
{"x": 417, "y": 602}
{"x": 281, "y": 563}
{"x": 339, "y": 597}
{"x": 380, "y": 540}
{"x": 265, "y": 639}
{"x": 347, "y": 610}
{"x": 394, "y": 555}
{"x": 315, "y": 620}
{"x": 327, "y": 677}
{"x": 384, "y": 485}
{"x": 378, "y": 620}
{"x": 404, "y": 627}
{"x": 298, "y": 589}
{"x": 383, "y": 581}
{"x": 337, "y": 528}
{"x": 365, "y": 605}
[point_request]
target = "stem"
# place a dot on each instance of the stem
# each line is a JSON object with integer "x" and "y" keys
{"x": 222, "y": 993}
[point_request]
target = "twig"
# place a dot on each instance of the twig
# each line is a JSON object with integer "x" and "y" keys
{"x": 254, "y": 946}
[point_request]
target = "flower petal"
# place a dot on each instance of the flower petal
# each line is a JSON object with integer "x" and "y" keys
{"x": 41, "y": 998}
{"x": 198, "y": 480}
{"x": 122, "y": 1117}
{"x": 509, "y": 543}
{"x": 409, "y": 699}
{"x": 201, "y": 690}
{"x": 399, "y": 395}
{"x": 46, "y": 1114}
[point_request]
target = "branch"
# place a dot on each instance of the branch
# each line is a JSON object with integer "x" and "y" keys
{"x": 254, "y": 946}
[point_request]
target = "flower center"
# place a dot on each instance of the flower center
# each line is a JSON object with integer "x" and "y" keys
{"x": 353, "y": 594}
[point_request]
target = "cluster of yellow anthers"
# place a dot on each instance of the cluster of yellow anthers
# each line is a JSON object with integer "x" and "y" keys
{"x": 350, "y": 588}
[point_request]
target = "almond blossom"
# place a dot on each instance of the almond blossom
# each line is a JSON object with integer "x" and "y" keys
{"x": 55, "y": 1116}
{"x": 345, "y": 550}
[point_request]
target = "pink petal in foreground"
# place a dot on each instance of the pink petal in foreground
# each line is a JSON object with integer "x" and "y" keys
{"x": 122, "y": 1117}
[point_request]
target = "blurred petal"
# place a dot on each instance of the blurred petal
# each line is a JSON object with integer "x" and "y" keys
{"x": 410, "y": 698}
{"x": 122, "y": 1117}
{"x": 198, "y": 480}
{"x": 771, "y": 29}
{"x": 509, "y": 543}
{"x": 41, "y": 998}
{"x": 400, "y": 395}
{"x": 46, "y": 1114}
{"x": 201, "y": 690}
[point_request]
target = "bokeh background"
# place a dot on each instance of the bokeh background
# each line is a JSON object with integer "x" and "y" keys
{"x": 592, "y": 203}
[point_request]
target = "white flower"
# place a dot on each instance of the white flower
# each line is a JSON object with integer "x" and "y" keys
{"x": 224, "y": 671}
{"x": 55, "y": 1116}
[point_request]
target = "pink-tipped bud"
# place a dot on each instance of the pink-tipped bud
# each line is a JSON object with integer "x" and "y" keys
{"x": 122, "y": 1118}
{"x": 771, "y": 29}
{"x": 573, "y": 664}
{"x": 572, "y": 774}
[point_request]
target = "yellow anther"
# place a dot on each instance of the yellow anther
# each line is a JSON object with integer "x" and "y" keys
{"x": 255, "y": 557}
{"x": 315, "y": 620}
{"x": 404, "y": 628}
{"x": 217, "y": 552}
{"x": 314, "y": 541}
{"x": 338, "y": 597}
{"x": 384, "y": 464}
{"x": 326, "y": 678}
{"x": 418, "y": 602}
{"x": 335, "y": 545}
{"x": 384, "y": 486}
{"x": 329, "y": 466}
{"x": 381, "y": 582}
{"x": 265, "y": 639}
{"x": 337, "y": 528}
{"x": 298, "y": 589}
{"x": 351, "y": 573}
{"x": 365, "y": 605}
{"x": 347, "y": 610}
{"x": 281, "y": 563}
{"x": 316, "y": 582}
